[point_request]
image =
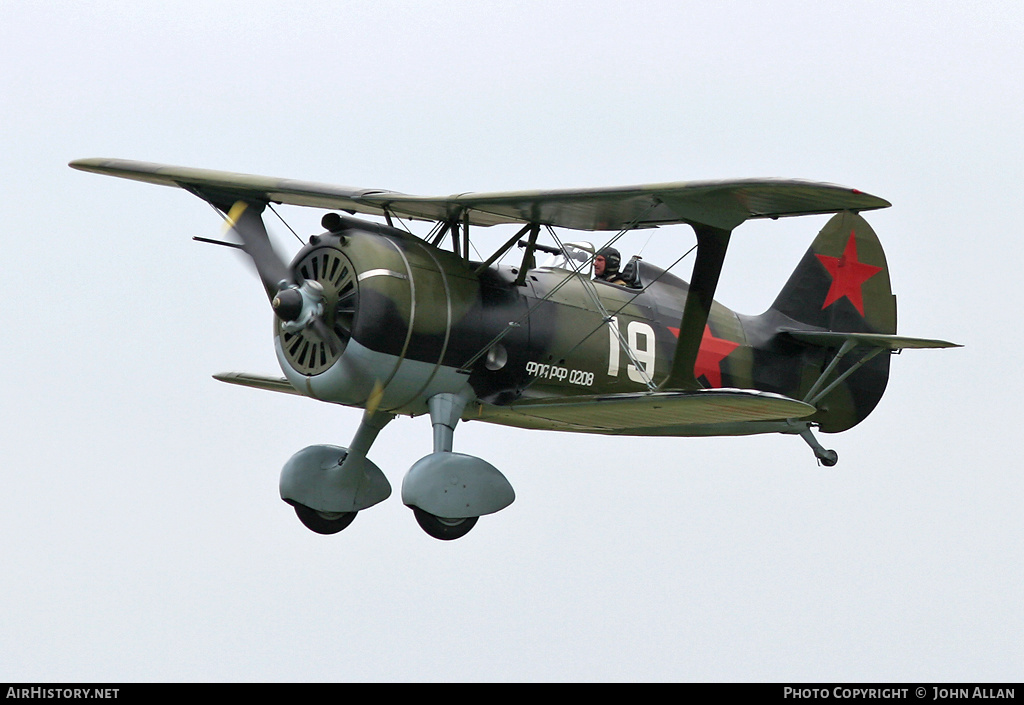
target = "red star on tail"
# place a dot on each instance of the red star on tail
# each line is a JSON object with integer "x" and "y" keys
{"x": 847, "y": 275}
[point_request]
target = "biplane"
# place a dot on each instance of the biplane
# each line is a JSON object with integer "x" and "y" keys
{"x": 369, "y": 315}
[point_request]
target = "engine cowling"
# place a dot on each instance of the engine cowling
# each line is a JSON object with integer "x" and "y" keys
{"x": 393, "y": 305}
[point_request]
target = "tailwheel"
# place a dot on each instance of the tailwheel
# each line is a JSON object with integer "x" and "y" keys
{"x": 443, "y": 528}
{"x": 826, "y": 457}
{"x": 323, "y": 522}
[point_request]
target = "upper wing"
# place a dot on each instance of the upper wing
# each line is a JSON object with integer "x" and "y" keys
{"x": 719, "y": 204}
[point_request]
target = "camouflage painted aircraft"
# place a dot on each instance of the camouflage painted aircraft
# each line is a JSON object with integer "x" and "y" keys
{"x": 371, "y": 316}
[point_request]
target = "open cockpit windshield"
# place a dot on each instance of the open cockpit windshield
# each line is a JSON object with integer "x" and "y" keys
{"x": 574, "y": 256}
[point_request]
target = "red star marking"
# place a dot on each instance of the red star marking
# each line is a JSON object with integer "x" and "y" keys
{"x": 710, "y": 355}
{"x": 847, "y": 276}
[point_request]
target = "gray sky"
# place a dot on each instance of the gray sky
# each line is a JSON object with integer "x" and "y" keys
{"x": 143, "y": 535}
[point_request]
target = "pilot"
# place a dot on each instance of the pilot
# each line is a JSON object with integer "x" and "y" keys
{"x": 606, "y": 266}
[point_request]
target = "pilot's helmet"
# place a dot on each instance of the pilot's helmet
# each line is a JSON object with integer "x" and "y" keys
{"x": 612, "y": 258}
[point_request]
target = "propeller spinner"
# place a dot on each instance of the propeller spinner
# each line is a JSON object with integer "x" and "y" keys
{"x": 300, "y": 307}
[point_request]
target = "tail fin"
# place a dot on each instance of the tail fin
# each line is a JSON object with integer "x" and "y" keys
{"x": 842, "y": 283}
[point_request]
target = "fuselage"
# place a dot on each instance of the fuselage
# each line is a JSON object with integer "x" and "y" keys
{"x": 418, "y": 321}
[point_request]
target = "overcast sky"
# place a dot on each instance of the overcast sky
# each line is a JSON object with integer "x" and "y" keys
{"x": 142, "y": 537}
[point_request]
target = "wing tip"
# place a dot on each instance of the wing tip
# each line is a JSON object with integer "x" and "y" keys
{"x": 86, "y": 164}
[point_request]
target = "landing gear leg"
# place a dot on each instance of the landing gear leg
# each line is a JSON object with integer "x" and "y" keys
{"x": 366, "y": 434}
{"x": 826, "y": 457}
{"x": 445, "y": 412}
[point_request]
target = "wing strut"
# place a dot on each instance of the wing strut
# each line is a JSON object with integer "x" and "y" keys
{"x": 454, "y": 230}
{"x": 440, "y": 235}
{"x": 503, "y": 249}
{"x": 451, "y": 226}
{"x": 711, "y": 246}
{"x": 528, "y": 254}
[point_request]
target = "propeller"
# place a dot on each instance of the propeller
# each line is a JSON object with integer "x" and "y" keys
{"x": 298, "y": 306}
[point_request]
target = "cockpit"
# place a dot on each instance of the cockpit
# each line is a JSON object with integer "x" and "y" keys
{"x": 578, "y": 257}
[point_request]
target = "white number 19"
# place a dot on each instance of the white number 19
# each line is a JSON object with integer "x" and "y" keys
{"x": 643, "y": 355}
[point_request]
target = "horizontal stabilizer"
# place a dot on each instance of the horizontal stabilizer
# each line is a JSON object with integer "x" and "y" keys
{"x": 271, "y": 384}
{"x": 639, "y": 411}
{"x": 827, "y": 339}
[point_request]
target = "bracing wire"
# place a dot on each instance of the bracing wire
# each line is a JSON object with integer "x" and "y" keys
{"x": 274, "y": 211}
{"x": 514, "y": 324}
{"x": 621, "y": 308}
